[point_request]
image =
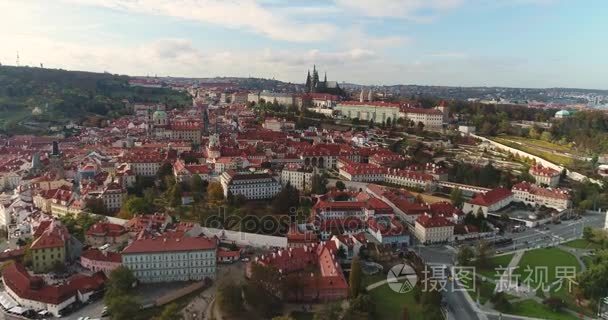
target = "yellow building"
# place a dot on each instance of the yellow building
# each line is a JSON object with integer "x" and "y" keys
{"x": 49, "y": 246}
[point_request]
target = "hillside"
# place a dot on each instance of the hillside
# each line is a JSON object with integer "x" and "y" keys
{"x": 62, "y": 96}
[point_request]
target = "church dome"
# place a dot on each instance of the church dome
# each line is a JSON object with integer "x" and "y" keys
{"x": 158, "y": 115}
{"x": 562, "y": 114}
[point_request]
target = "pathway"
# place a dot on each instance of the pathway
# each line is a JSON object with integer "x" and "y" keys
{"x": 578, "y": 254}
{"x": 381, "y": 282}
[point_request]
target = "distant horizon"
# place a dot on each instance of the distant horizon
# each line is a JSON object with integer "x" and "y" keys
{"x": 302, "y": 83}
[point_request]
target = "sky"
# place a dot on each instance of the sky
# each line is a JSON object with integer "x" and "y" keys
{"x": 514, "y": 43}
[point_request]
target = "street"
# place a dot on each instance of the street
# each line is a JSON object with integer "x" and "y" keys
{"x": 555, "y": 233}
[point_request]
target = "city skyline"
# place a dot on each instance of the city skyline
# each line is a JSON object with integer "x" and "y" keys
{"x": 520, "y": 43}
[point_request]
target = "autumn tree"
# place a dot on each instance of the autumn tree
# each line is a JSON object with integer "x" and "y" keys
{"x": 215, "y": 191}
{"x": 354, "y": 279}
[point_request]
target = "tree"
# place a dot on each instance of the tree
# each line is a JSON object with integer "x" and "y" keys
{"x": 487, "y": 129}
{"x": 263, "y": 302}
{"x": 175, "y": 196}
{"x": 340, "y": 185}
{"x": 215, "y": 191}
{"x": 588, "y": 233}
{"x": 318, "y": 184}
{"x": 120, "y": 282}
{"x": 420, "y": 127}
{"x": 197, "y": 184}
{"x": 286, "y": 199}
{"x": 456, "y": 197}
{"x": 354, "y": 279}
{"x": 465, "y": 255}
{"x": 484, "y": 252}
{"x": 170, "y": 312}
{"x": 363, "y": 303}
{"x": 501, "y": 302}
{"x": 230, "y": 299}
{"x": 330, "y": 311}
{"x": 123, "y": 307}
{"x": 546, "y": 136}
{"x": 554, "y": 303}
{"x": 293, "y": 285}
{"x": 133, "y": 206}
{"x": 96, "y": 206}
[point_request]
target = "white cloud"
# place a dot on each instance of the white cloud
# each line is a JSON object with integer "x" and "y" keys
{"x": 420, "y": 10}
{"x": 246, "y": 15}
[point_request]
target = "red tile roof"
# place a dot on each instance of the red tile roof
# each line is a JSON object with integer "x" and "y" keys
{"x": 433, "y": 221}
{"x": 55, "y": 235}
{"x": 106, "y": 229}
{"x": 491, "y": 197}
{"x": 543, "y": 192}
{"x": 539, "y": 170}
{"x": 169, "y": 244}
{"x": 34, "y": 288}
{"x": 98, "y": 255}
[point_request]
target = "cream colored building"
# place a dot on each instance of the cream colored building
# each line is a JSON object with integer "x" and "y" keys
{"x": 528, "y": 193}
{"x": 433, "y": 229}
{"x": 170, "y": 258}
{"x": 250, "y": 185}
{"x": 297, "y": 176}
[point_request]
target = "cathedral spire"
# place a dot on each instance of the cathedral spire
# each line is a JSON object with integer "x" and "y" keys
{"x": 308, "y": 82}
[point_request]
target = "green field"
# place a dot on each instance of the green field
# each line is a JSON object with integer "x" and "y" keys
{"x": 582, "y": 244}
{"x": 371, "y": 279}
{"x": 390, "y": 304}
{"x": 549, "y": 258}
{"x": 495, "y": 262}
{"x": 534, "y": 150}
{"x": 531, "y": 308}
{"x": 540, "y": 144}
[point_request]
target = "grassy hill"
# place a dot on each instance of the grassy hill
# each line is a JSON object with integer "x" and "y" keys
{"x": 69, "y": 95}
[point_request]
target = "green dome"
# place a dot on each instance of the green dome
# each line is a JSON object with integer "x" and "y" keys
{"x": 159, "y": 114}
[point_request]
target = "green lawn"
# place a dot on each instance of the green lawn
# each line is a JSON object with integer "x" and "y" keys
{"x": 540, "y": 144}
{"x": 531, "y": 149}
{"x": 485, "y": 291}
{"x": 390, "y": 304}
{"x": 367, "y": 280}
{"x": 549, "y": 258}
{"x": 495, "y": 262}
{"x": 582, "y": 244}
{"x": 531, "y": 308}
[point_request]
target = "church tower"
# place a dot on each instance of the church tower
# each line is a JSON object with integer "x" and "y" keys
{"x": 361, "y": 96}
{"x": 315, "y": 78}
{"x": 308, "y": 82}
{"x": 370, "y": 96}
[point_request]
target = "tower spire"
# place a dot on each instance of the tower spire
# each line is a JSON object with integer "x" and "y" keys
{"x": 308, "y": 82}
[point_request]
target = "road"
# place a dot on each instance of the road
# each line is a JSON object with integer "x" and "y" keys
{"x": 458, "y": 306}
{"x": 556, "y": 233}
